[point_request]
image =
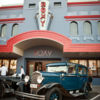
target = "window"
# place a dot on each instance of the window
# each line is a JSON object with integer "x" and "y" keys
{"x": 92, "y": 67}
{"x": 10, "y": 64}
{"x": 99, "y": 28}
{"x": 13, "y": 64}
{"x": 74, "y": 28}
{"x": 57, "y": 69}
{"x": 80, "y": 70}
{"x": 71, "y": 68}
{"x": 83, "y": 62}
{"x": 98, "y": 67}
{"x": 3, "y": 30}
{"x": 74, "y": 61}
{"x": 6, "y": 62}
{"x": 14, "y": 29}
{"x": 57, "y": 3}
{"x": 84, "y": 71}
{"x": 32, "y": 5}
{"x": 87, "y": 28}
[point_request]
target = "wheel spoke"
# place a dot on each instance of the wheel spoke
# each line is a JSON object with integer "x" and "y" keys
{"x": 54, "y": 96}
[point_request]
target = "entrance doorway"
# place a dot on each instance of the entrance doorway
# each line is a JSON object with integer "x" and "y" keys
{"x": 38, "y": 65}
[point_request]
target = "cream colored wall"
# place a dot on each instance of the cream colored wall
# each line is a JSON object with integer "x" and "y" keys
{"x": 18, "y": 51}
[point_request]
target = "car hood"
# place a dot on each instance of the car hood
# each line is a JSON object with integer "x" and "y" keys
{"x": 51, "y": 77}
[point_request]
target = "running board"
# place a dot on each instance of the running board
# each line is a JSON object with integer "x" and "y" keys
{"x": 77, "y": 94}
{"x": 29, "y": 95}
{"x": 7, "y": 90}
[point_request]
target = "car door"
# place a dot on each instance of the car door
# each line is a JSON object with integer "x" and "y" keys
{"x": 82, "y": 76}
{"x": 69, "y": 80}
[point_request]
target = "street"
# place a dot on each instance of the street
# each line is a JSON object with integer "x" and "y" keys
{"x": 91, "y": 96}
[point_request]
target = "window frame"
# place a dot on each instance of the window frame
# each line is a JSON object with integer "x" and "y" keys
{"x": 98, "y": 28}
{"x": 75, "y": 29}
{"x": 57, "y": 4}
{"x": 13, "y": 30}
{"x": 87, "y": 33}
{"x": 2, "y": 31}
{"x": 32, "y": 5}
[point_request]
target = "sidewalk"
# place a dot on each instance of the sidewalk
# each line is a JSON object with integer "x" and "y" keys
{"x": 96, "y": 88}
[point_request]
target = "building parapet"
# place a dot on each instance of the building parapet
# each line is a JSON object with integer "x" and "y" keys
{"x": 82, "y": 17}
{"x": 11, "y": 7}
{"x": 92, "y": 3}
{"x": 12, "y": 19}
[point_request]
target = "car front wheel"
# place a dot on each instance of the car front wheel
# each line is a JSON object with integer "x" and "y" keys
{"x": 54, "y": 94}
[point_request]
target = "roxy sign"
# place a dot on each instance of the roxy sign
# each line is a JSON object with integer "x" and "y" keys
{"x": 41, "y": 52}
{"x": 43, "y": 14}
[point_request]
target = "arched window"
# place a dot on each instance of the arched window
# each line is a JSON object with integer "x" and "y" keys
{"x": 14, "y": 29}
{"x": 87, "y": 28}
{"x": 74, "y": 28}
{"x": 98, "y": 27}
{"x": 3, "y": 30}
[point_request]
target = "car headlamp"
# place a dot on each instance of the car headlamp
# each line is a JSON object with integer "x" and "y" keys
{"x": 39, "y": 79}
{"x": 26, "y": 79}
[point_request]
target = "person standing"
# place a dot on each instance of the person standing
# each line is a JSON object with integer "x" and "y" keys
{"x": 22, "y": 72}
{"x": 3, "y": 70}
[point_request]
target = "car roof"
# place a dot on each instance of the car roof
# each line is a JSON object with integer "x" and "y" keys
{"x": 64, "y": 64}
{"x": 57, "y": 64}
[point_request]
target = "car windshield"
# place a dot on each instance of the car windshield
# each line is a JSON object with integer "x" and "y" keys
{"x": 57, "y": 69}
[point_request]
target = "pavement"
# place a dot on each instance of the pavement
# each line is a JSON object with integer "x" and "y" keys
{"x": 96, "y": 88}
{"x": 93, "y": 95}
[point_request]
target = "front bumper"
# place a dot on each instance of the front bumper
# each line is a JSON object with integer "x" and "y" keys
{"x": 29, "y": 95}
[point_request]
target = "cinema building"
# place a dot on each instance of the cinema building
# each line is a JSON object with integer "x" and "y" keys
{"x": 46, "y": 31}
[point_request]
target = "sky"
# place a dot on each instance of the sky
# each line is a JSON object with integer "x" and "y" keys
{"x": 20, "y": 2}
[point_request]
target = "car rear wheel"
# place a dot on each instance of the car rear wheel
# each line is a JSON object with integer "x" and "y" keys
{"x": 86, "y": 91}
{"x": 54, "y": 94}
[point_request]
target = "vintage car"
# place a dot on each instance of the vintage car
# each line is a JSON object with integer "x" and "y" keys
{"x": 8, "y": 85}
{"x": 60, "y": 79}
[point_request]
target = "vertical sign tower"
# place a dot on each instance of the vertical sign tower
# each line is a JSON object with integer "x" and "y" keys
{"x": 43, "y": 14}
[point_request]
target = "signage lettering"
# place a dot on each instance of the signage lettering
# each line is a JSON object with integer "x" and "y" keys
{"x": 43, "y": 13}
{"x": 42, "y": 52}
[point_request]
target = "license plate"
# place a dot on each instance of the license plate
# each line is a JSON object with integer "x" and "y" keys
{"x": 33, "y": 85}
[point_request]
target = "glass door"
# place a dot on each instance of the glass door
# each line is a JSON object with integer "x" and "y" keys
{"x": 30, "y": 67}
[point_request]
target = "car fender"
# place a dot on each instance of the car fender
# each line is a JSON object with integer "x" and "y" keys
{"x": 42, "y": 90}
{"x": 46, "y": 87}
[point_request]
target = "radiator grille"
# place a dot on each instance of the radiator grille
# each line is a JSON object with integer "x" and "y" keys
{"x": 35, "y": 75}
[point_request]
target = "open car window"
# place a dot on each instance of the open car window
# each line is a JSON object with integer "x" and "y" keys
{"x": 71, "y": 69}
{"x": 57, "y": 69}
{"x": 80, "y": 70}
